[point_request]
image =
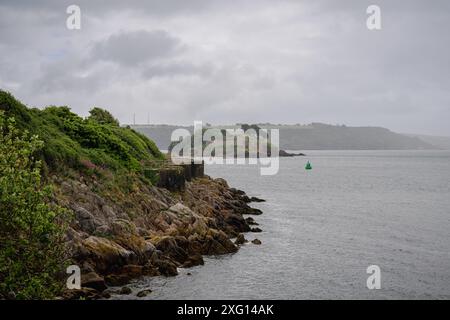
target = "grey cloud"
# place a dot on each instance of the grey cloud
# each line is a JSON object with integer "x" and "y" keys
{"x": 183, "y": 68}
{"x": 136, "y": 47}
{"x": 242, "y": 61}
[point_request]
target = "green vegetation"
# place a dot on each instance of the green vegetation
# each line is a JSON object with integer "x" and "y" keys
{"x": 97, "y": 142}
{"x": 31, "y": 229}
{"x": 39, "y": 147}
{"x": 103, "y": 117}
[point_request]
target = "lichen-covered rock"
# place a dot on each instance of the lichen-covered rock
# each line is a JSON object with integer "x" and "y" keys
{"x": 166, "y": 268}
{"x": 151, "y": 231}
{"x": 106, "y": 254}
{"x": 93, "y": 281}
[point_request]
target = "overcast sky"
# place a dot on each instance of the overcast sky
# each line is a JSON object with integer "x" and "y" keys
{"x": 219, "y": 61}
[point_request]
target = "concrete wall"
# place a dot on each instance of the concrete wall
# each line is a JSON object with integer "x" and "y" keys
{"x": 174, "y": 177}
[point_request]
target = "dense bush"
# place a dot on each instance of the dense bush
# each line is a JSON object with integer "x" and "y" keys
{"x": 31, "y": 229}
{"x": 102, "y": 116}
{"x": 71, "y": 140}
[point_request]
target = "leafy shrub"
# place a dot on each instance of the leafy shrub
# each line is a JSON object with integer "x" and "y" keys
{"x": 31, "y": 232}
{"x": 102, "y": 116}
{"x": 69, "y": 138}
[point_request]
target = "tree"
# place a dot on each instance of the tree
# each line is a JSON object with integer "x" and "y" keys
{"x": 102, "y": 116}
{"x": 31, "y": 229}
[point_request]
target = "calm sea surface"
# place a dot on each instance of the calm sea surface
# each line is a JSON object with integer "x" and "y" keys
{"x": 324, "y": 227}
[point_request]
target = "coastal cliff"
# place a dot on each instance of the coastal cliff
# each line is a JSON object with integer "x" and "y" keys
{"x": 132, "y": 213}
{"x": 149, "y": 231}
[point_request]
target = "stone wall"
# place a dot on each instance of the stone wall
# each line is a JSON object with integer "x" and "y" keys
{"x": 174, "y": 177}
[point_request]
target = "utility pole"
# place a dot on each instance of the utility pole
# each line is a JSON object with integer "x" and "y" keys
{"x": 134, "y": 118}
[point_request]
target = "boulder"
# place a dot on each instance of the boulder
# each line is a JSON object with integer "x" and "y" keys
{"x": 240, "y": 239}
{"x": 251, "y": 221}
{"x": 255, "y": 199}
{"x": 132, "y": 270}
{"x": 77, "y": 294}
{"x": 167, "y": 268}
{"x": 256, "y": 241}
{"x": 86, "y": 220}
{"x": 194, "y": 260}
{"x": 125, "y": 290}
{"x": 116, "y": 280}
{"x": 169, "y": 246}
{"x": 93, "y": 281}
{"x": 106, "y": 254}
{"x": 237, "y": 222}
{"x": 256, "y": 230}
{"x": 143, "y": 293}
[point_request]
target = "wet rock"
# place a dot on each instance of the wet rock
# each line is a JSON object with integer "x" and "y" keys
{"x": 167, "y": 268}
{"x": 93, "y": 281}
{"x": 116, "y": 280}
{"x": 143, "y": 293}
{"x": 255, "y": 199}
{"x": 194, "y": 260}
{"x": 256, "y": 241}
{"x": 83, "y": 293}
{"x": 125, "y": 290}
{"x": 252, "y": 211}
{"x": 237, "y": 222}
{"x": 169, "y": 246}
{"x": 240, "y": 240}
{"x": 251, "y": 221}
{"x": 256, "y": 230}
{"x": 150, "y": 271}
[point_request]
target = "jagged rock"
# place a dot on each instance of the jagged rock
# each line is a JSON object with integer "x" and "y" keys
{"x": 217, "y": 243}
{"x": 125, "y": 290}
{"x": 251, "y": 221}
{"x": 240, "y": 239}
{"x": 151, "y": 231}
{"x": 255, "y": 199}
{"x": 256, "y": 241}
{"x": 77, "y": 294}
{"x": 168, "y": 245}
{"x": 252, "y": 211}
{"x": 167, "y": 268}
{"x": 194, "y": 260}
{"x": 93, "y": 281}
{"x": 106, "y": 254}
{"x": 132, "y": 270}
{"x": 256, "y": 230}
{"x": 116, "y": 280}
{"x": 143, "y": 293}
{"x": 150, "y": 271}
{"x": 237, "y": 222}
{"x": 103, "y": 230}
{"x": 85, "y": 219}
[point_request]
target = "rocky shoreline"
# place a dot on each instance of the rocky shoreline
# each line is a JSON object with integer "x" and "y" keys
{"x": 150, "y": 231}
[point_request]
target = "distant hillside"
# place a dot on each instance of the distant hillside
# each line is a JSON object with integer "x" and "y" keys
{"x": 439, "y": 142}
{"x": 315, "y": 136}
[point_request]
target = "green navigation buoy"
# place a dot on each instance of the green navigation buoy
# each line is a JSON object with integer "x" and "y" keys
{"x": 308, "y": 166}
